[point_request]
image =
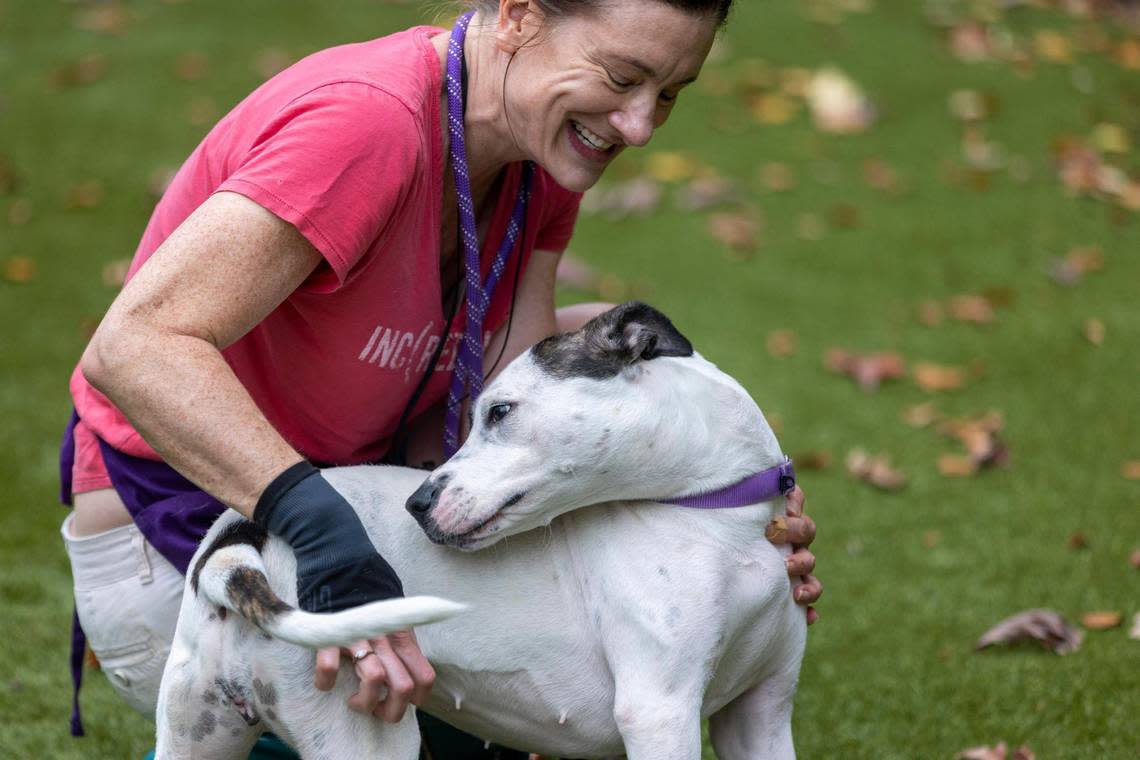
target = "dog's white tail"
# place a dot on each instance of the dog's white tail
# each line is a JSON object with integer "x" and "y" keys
{"x": 232, "y": 575}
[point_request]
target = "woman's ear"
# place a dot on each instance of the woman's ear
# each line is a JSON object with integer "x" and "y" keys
{"x": 518, "y": 22}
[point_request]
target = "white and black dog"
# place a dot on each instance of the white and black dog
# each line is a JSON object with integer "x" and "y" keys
{"x": 613, "y": 631}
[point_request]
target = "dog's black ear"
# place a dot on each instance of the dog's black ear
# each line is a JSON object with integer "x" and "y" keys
{"x": 637, "y": 331}
{"x": 610, "y": 342}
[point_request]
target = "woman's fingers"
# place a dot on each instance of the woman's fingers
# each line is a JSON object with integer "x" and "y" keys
{"x": 798, "y": 531}
{"x": 800, "y": 562}
{"x": 406, "y": 647}
{"x": 809, "y": 591}
{"x": 373, "y": 677}
{"x": 794, "y": 506}
{"x": 328, "y": 663}
{"x": 401, "y": 685}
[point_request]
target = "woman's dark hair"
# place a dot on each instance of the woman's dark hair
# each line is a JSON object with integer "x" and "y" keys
{"x": 562, "y": 8}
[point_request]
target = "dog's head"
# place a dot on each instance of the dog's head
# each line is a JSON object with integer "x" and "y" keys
{"x": 622, "y": 409}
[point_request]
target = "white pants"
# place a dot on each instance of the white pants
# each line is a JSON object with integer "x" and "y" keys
{"x": 127, "y": 596}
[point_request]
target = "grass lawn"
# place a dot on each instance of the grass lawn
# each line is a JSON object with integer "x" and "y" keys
{"x": 95, "y": 103}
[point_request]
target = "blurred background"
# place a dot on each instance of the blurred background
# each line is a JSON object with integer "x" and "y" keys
{"x": 911, "y": 229}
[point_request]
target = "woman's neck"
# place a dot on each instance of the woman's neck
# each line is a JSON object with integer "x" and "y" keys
{"x": 490, "y": 144}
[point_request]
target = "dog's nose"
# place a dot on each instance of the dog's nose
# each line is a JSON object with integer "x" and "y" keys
{"x": 425, "y": 497}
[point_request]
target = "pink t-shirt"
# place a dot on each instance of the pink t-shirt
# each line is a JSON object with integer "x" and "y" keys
{"x": 346, "y": 146}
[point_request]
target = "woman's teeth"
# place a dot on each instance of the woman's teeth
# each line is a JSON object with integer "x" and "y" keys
{"x": 590, "y": 138}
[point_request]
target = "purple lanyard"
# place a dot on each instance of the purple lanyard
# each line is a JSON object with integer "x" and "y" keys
{"x": 468, "y": 373}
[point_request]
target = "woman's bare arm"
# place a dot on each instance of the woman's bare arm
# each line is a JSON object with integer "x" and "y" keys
{"x": 157, "y": 353}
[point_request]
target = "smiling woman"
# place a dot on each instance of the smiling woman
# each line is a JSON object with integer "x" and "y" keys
{"x": 319, "y": 284}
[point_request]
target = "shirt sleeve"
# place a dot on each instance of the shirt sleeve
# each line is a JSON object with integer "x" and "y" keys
{"x": 335, "y": 163}
{"x": 558, "y": 221}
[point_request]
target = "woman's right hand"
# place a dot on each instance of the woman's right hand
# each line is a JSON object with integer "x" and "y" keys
{"x": 338, "y": 568}
{"x": 398, "y": 673}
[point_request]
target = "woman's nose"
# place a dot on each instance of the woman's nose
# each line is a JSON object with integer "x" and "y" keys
{"x": 634, "y": 123}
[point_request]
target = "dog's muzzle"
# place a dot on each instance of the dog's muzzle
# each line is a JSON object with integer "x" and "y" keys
{"x": 420, "y": 503}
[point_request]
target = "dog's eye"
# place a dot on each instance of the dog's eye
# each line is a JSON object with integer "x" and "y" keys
{"x": 497, "y": 412}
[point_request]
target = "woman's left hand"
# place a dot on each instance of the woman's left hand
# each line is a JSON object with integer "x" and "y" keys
{"x": 797, "y": 529}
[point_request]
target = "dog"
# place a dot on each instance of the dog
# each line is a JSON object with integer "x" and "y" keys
{"x": 601, "y": 621}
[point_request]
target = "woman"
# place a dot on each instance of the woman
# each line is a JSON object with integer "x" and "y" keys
{"x": 309, "y": 278}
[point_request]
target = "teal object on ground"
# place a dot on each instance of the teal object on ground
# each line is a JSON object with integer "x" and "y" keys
{"x": 268, "y": 747}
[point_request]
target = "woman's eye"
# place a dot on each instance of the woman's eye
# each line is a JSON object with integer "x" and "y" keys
{"x": 497, "y": 412}
{"x": 618, "y": 81}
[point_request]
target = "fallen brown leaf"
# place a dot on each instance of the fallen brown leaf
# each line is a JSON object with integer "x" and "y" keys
{"x": 773, "y": 108}
{"x": 20, "y": 212}
{"x": 837, "y": 104}
{"x": 843, "y": 216}
{"x": 1134, "y": 559}
{"x": 84, "y": 195}
{"x": 781, "y": 343}
{"x": 997, "y": 752}
{"x": 1127, "y": 54}
{"x": 1078, "y": 540}
{"x": 970, "y": 42}
{"x": 115, "y": 272}
{"x": 956, "y": 466}
{"x": 1131, "y": 469}
{"x": 19, "y": 270}
{"x": 1101, "y": 620}
{"x": 1053, "y": 46}
{"x": 971, "y": 308}
{"x": 105, "y": 18}
{"x": 869, "y": 370}
{"x": 876, "y": 470}
{"x": 777, "y": 176}
{"x": 705, "y": 192}
{"x": 1094, "y": 331}
{"x": 191, "y": 66}
{"x": 879, "y": 175}
{"x": 9, "y": 177}
{"x": 921, "y": 415}
{"x": 739, "y": 231}
{"x": 934, "y": 378}
{"x": 634, "y": 197}
{"x": 671, "y": 166}
{"x": 1047, "y": 627}
{"x": 85, "y": 70}
{"x": 812, "y": 460}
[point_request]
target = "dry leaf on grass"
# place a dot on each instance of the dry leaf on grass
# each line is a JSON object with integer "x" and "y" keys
{"x": 1094, "y": 331}
{"x": 876, "y": 470}
{"x": 704, "y": 193}
{"x": 671, "y": 166}
{"x": 1078, "y": 540}
{"x": 738, "y": 231}
{"x": 1101, "y": 620}
{"x": 115, "y": 272}
{"x": 19, "y": 270}
{"x": 971, "y": 308}
{"x": 837, "y": 104}
{"x": 1047, "y": 627}
{"x": 85, "y": 70}
{"x": 934, "y": 378}
{"x": 921, "y": 415}
{"x": 84, "y": 195}
{"x": 869, "y": 370}
{"x": 957, "y": 466}
{"x": 1131, "y": 469}
{"x": 1134, "y": 559}
{"x": 781, "y": 343}
{"x": 980, "y": 437}
{"x": 634, "y": 197}
{"x": 105, "y": 18}
{"x": 999, "y": 751}
{"x": 812, "y": 460}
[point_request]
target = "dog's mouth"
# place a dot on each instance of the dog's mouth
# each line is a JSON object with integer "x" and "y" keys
{"x": 469, "y": 538}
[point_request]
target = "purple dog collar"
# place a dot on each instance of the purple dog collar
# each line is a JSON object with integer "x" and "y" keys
{"x": 773, "y": 482}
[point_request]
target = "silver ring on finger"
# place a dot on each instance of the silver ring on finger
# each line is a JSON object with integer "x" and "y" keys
{"x": 360, "y": 654}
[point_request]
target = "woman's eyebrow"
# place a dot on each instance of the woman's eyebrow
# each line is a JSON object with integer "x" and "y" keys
{"x": 645, "y": 68}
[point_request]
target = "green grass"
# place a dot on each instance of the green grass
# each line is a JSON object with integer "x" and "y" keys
{"x": 889, "y": 671}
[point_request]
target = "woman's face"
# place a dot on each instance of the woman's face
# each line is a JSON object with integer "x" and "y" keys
{"x": 589, "y": 85}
